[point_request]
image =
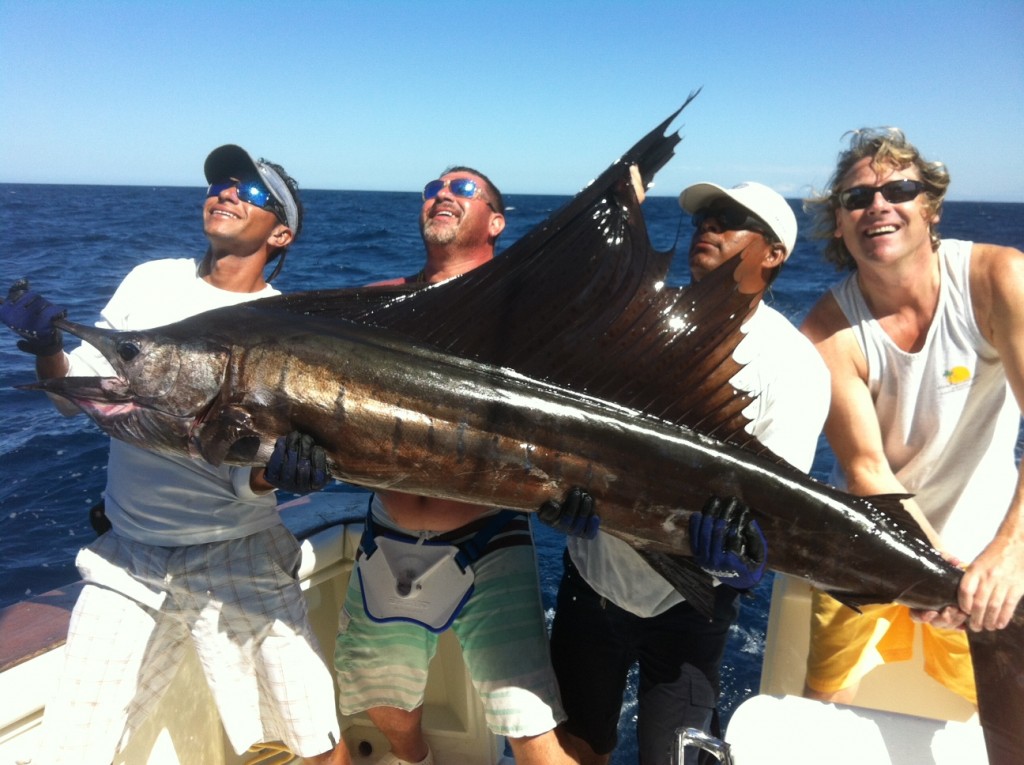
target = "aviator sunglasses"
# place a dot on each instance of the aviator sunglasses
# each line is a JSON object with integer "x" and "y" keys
{"x": 253, "y": 192}
{"x": 466, "y": 188}
{"x": 730, "y": 218}
{"x": 894, "y": 192}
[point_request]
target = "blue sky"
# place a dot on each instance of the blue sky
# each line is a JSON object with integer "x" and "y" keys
{"x": 542, "y": 96}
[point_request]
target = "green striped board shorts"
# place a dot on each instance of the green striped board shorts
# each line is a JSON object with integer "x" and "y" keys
{"x": 504, "y": 643}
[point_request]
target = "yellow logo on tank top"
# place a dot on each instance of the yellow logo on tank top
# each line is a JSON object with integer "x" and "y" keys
{"x": 957, "y": 375}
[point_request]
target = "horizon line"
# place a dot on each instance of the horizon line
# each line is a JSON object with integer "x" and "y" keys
{"x": 650, "y": 194}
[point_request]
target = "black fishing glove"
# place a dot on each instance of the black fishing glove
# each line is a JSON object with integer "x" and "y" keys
{"x": 574, "y": 516}
{"x": 727, "y": 543}
{"x": 31, "y": 315}
{"x": 297, "y": 464}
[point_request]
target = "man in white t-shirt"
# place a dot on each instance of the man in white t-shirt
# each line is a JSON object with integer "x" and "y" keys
{"x": 613, "y": 609}
{"x": 195, "y": 553}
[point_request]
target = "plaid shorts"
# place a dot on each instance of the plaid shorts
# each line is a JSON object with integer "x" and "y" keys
{"x": 238, "y": 602}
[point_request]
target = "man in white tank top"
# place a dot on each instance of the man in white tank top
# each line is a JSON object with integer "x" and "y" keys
{"x": 925, "y": 343}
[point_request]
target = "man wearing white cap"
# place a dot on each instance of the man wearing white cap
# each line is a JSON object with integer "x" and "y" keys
{"x": 613, "y": 609}
{"x": 195, "y": 553}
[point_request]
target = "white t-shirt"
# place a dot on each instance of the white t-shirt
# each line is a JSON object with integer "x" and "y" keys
{"x": 792, "y": 392}
{"x": 156, "y": 498}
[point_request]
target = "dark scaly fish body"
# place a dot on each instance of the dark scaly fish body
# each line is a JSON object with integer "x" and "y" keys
{"x": 566, "y": 361}
{"x": 397, "y": 415}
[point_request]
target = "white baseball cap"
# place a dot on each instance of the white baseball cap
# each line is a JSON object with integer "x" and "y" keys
{"x": 767, "y": 204}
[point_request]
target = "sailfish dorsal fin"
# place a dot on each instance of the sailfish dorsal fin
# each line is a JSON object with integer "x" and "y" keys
{"x": 581, "y": 302}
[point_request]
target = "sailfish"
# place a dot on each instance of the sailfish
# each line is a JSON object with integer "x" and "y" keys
{"x": 568, "y": 360}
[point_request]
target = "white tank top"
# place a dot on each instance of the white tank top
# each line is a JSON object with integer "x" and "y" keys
{"x": 949, "y": 420}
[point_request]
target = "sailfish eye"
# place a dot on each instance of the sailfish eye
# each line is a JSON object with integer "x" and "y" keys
{"x": 128, "y": 350}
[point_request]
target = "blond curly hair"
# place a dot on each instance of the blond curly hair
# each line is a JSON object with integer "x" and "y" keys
{"x": 889, "y": 149}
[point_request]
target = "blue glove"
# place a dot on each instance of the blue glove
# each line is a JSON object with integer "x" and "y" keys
{"x": 728, "y": 544}
{"x": 31, "y": 315}
{"x": 575, "y": 516}
{"x": 297, "y": 464}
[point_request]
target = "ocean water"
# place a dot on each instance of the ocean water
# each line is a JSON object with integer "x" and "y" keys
{"x": 75, "y": 243}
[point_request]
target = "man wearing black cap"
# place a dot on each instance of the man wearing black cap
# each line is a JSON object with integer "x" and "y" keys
{"x": 195, "y": 552}
{"x": 613, "y": 609}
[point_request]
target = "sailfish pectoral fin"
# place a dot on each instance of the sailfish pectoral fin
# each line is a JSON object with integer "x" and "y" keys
{"x": 231, "y": 438}
{"x": 689, "y": 579}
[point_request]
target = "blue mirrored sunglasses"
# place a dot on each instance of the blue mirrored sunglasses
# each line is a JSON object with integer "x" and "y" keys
{"x": 893, "y": 192}
{"x": 253, "y": 192}
{"x": 460, "y": 187}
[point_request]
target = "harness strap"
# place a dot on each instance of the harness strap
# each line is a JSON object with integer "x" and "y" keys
{"x": 470, "y": 550}
{"x": 366, "y": 544}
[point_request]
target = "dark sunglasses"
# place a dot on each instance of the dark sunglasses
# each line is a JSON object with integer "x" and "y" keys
{"x": 253, "y": 192}
{"x": 731, "y": 218}
{"x": 460, "y": 187}
{"x": 894, "y": 192}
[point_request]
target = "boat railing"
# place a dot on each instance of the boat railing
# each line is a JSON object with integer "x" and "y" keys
{"x": 698, "y": 739}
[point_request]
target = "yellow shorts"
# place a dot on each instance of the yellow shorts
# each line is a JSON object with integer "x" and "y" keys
{"x": 846, "y": 645}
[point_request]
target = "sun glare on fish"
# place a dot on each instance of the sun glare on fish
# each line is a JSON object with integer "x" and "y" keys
{"x": 677, "y": 323}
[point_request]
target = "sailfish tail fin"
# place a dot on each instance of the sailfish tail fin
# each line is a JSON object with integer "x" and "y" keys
{"x": 999, "y": 676}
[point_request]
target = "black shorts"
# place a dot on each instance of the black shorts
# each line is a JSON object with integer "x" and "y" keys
{"x": 594, "y": 643}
